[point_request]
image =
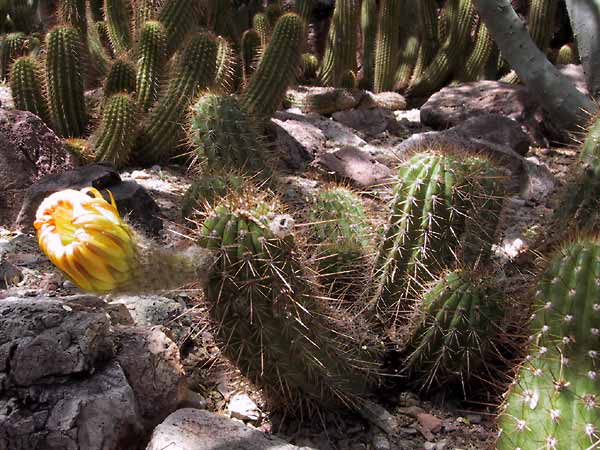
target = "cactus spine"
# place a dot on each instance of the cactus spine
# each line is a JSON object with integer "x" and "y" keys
{"x": 120, "y": 78}
{"x": 567, "y": 54}
{"x": 263, "y": 28}
{"x": 277, "y": 68}
{"x": 151, "y": 58}
{"x": 540, "y": 21}
{"x": 554, "y": 401}
{"x": 368, "y": 24}
{"x": 73, "y": 12}
{"x": 114, "y": 139}
{"x": 64, "y": 81}
{"x": 117, "y": 15}
{"x": 26, "y": 87}
{"x": 12, "y": 46}
{"x": 428, "y": 35}
{"x": 386, "y": 47}
{"x": 479, "y": 57}
{"x": 250, "y": 53}
{"x": 227, "y": 65}
{"x": 194, "y": 71}
{"x": 454, "y": 332}
{"x": 178, "y": 17}
{"x": 340, "y": 50}
{"x": 145, "y": 11}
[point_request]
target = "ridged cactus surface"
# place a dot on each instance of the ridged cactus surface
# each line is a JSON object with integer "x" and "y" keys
{"x": 12, "y": 46}
{"x": 207, "y": 189}
{"x": 368, "y": 25}
{"x": 26, "y": 87}
{"x": 64, "y": 81}
{"x": 178, "y": 17}
{"x": 386, "y": 49}
{"x": 120, "y": 78}
{"x": 250, "y": 53}
{"x": 277, "y": 68}
{"x": 554, "y": 401}
{"x": 541, "y": 20}
{"x": 151, "y": 58}
{"x": 72, "y": 12}
{"x": 117, "y": 15}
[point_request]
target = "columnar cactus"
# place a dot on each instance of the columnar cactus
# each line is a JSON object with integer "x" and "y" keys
{"x": 541, "y": 20}
{"x": 72, "y": 12}
{"x": 195, "y": 70}
{"x": 64, "y": 81}
{"x": 368, "y": 25}
{"x": 455, "y": 331}
{"x": 151, "y": 58}
{"x": 480, "y": 55}
{"x": 263, "y": 28}
{"x": 304, "y": 9}
{"x": 428, "y": 34}
{"x": 178, "y": 17}
{"x": 567, "y": 54}
{"x": 219, "y": 14}
{"x": 554, "y": 400}
{"x": 12, "y": 46}
{"x": 114, "y": 139}
{"x": 437, "y": 217}
{"x": 250, "y": 53}
{"x": 270, "y": 319}
{"x": 207, "y": 189}
{"x": 145, "y": 11}
{"x": 407, "y": 62}
{"x": 117, "y": 15}
{"x": 26, "y": 87}
{"x": 277, "y": 68}
{"x": 340, "y": 50}
{"x": 227, "y": 66}
{"x": 120, "y": 78}
{"x": 386, "y": 48}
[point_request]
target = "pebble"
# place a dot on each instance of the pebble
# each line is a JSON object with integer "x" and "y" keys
{"x": 381, "y": 442}
{"x": 242, "y": 407}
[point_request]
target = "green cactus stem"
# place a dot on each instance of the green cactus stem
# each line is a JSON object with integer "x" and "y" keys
{"x": 554, "y": 400}
{"x": 120, "y": 78}
{"x": 145, "y": 11}
{"x": 310, "y": 65}
{"x": 12, "y": 46}
{"x": 480, "y": 55}
{"x": 219, "y": 16}
{"x": 386, "y": 47}
{"x": 227, "y": 66}
{"x": 541, "y": 20}
{"x": 117, "y": 15}
{"x": 368, "y": 25}
{"x": 428, "y": 35}
{"x": 304, "y": 9}
{"x": 194, "y": 71}
{"x": 263, "y": 28}
{"x": 64, "y": 81}
{"x": 100, "y": 58}
{"x": 408, "y": 61}
{"x": 340, "y": 49}
{"x": 26, "y": 87}
{"x": 178, "y": 18}
{"x": 151, "y": 58}
{"x": 73, "y": 12}
{"x": 567, "y": 54}
{"x": 250, "y": 53}
{"x": 277, "y": 68}
{"x": 207, "y": 189}
{"x": 114, "y": 139}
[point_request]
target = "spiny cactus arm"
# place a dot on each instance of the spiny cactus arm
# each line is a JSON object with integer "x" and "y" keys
{"x": 428, "y": 33}
{"x": 479, "y": 57}
{"x": 151, "y": 58}
{"x": 117, "y": 14}
{"x": 120, "y": 78}
{"x": 26, "y": 87}
{"x": 386, "y": 51}
{"x": 99, "y": 54}
{"x": 368, "y": 23}
{"x": 178, "y": 17}
{"x": 263, "y": 28}
{"x": 250, "y": 53}
{"x": 73, "y": 12}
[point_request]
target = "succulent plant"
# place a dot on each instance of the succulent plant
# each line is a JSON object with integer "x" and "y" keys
{"x": 207, "y": 189}
{"x": 121, "y": 77}
{"x": 26, "y": 87}
{"x": 386, "y": 48}
{"x": 480, "y": 55}
{"x": 540, "y": 21}
{"x": 250, "y": 53}
{"x": 178, "y": 18}
{"x": 368, "y": 25}
{"x": 151, "y": 59}
{"x": 12, "y": 46}
{"x": 117, "y": 15}
{"x": 554, "y": 400}
{"x": 73, "y": 13}
{"x": 567, "y": 54}
{"x": 227, "y": 67}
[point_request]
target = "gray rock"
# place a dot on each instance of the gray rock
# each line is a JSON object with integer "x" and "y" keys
{"x": 356, "y": 165}
{"x": 190, "y": 429}
{"x": 324, "y": 100}
{"x": 6, "y": 100}
{"x": 29, "y": 150}
{"x": 537, "y": 181}
{"x": 388, "y": 100}
{"x": 298, "y": 142}
{"x": 9, "y": 274}
{"x": 243, "y": 407}
{"x": 369, "y": 121}
{"x": 133, "y": 201}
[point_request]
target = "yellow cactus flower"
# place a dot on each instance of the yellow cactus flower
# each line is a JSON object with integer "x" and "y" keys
{"x": 84, "y": 236}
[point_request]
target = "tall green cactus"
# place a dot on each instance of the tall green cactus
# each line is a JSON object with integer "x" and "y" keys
{"x": 114, "y": 139}
{"x": 227, "y": 66}
{"x": 277, "y": 68}
{"x": 554, "y": 400}
{"x": 437, "y": 218}
{"x": 304, "y": 9}
{"x": 151, "y": 58}
{"x": 408, "y": 61}
{"x": 117, "y": 15}
{"x": 179, "y": 18}
{"x": 120, "y": 78}
{"x": 145, "y": 11}
{"x": 368, "y": 25}
{"x": 480, "y": 55}
{"x": 195, "y": 70}
{"x": 340, "y": 50}
{"x": 64, "y": 81}
{"x": 100, "y": 58}
{"x": 386, "y": 47}
{"x": 22, "y": 14}
{"x": 541, "y": 20}
{"x": 73, "y": 12}
{"x": 455, "y": 331}
{"x": 12, "y": 46}
{"x": 26, "y": 87}
{"x": 250, "y": 53}
{"x": 225, "y": 137}
{"x": 428, "y": 35}
{"x": 270, "y": 319}
{"x": 263, "y": 28}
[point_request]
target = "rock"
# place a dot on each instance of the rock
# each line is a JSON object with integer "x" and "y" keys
{"x": 29, "y": 150}
{"x": 388, "y": 100}
{"x": 429, "y": 422}
{"x": 411, "y": 115}
{"x": 537, "y": 181}
{"x": 369, "y": 121}
{"x": 380, "y": 417}
{"x": 298, "y": 141}
{"x": 574, "y": 72}
{"x": 157, "y": 378}
{"x": 132, "y": 199}
{"x": 356, "y": 165}
{"x": 381, "y": 442}
{"x": 6, "y": 100}
{"x": 188, "y": 429}
{"x": 336, "y": 133}
{"x": 9, "y": 274}
{"x": 456, "y": 104}
{"x": 297, "y": 191}
{"x": 242, "y": 407}
{"x": 323, "y": 100}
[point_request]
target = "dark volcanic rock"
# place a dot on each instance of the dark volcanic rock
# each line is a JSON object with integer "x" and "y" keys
{"x": 355, "y": 165}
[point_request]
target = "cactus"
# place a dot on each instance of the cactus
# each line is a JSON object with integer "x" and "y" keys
{"x": 455, "y": 331}
{"x": 205, "y": 190}
{"x": 309, "y": 64}
{"x": 26, "y": 87}
{"x": 117, "y": 15}
{"x": 99, "y": 56}
{"x": 340, "y": 50}
{"x": 227, "y": 65}
{"x": 553, "y": 402}
{"x": 340, "y": 227}
{"x": 195, "y": 70}
{"x": 277, "y": 68}
{"x": 120, "y": 78}
{"x": 22, "y": 14}
{"x": 145, "y": 11}
{"x": 386, "y": 47}
{"x": 12, "y": 46}
{"x": 567, "y": 54}
{"x": 479, "y": 57}
{"x": 408, "y": 62}
{"x": 270, "y": 319}
{"x": 225, "y": 136}
{"x": 81, "y": 149}
{"x": 443, "y": 210}
{"x": 178, "y": 17}
{"x": 540, "y": 21}
{"x": 304, "y": 9}
{"x": 368, "y": 25}
{"x": 114, "y": 139}
{"x": 273, "y": 12}
{"x": 73, "y": 13}
{"x": 263, "y": 28}
{"x": 151, "y": 58}
{"x": 428, "y": 35}
{"x": 250, "y": 53}
{"x": 64, "y": 81}
{"x": 219, "y": 14}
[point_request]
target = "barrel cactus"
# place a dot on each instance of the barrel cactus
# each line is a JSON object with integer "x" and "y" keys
{"x": 26, "y": 87}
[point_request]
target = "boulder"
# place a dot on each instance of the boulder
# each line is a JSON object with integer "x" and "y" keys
{"x": 29, "y": 150}
{"x": 368, "y": 121}
{"x": 133, "y": 201}
{"x": 352, "y": 163}
{"x": 298, "y": 142}
{"x": 188, "y": 429}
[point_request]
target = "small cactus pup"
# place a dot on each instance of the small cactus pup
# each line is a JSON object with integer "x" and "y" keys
{"x": 440, "y": 200}
{"x": 340, "y": 227}
{"x": 64, "y": 81}
{"x": 225, "y": 137}
{"x": 277, "y": 68}
{"x": 120, "y": 78}
{"x": 151, "y": 58}
{"x": 554, "y": 402}
{"x": 26, "y": 87}
{"x": 194, "y": 71}
{"x": 270, "y": 319}
{"x": 250, "y": 53}
{"x": 84, "y": 236}
{"x": 455, "y": 331}
{"x": 114, "y": 139}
